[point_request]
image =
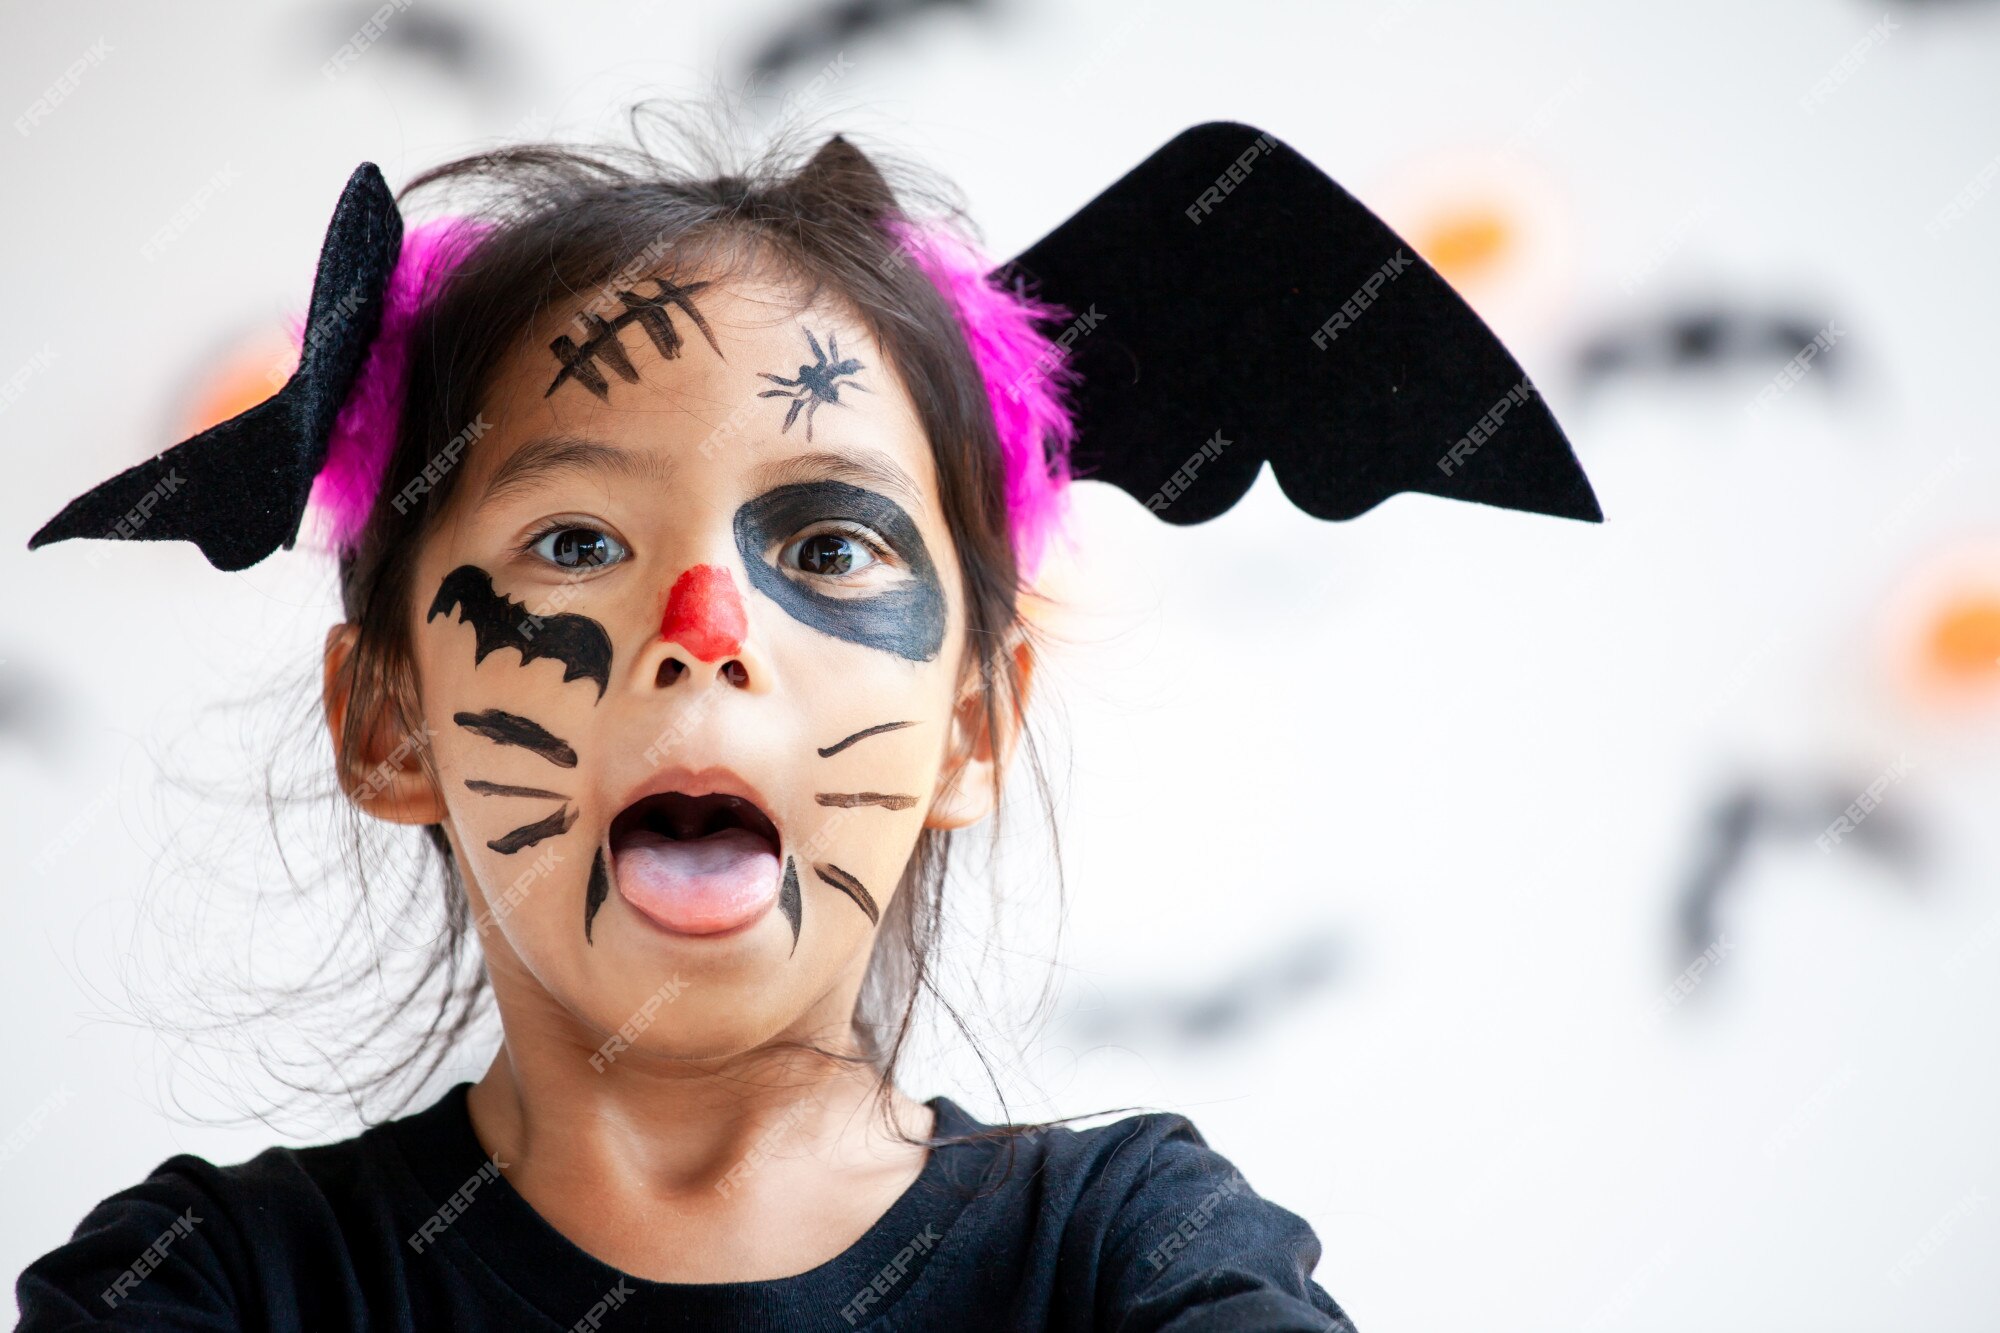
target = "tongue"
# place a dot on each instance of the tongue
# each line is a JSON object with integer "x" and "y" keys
{"x": 701, "y": 887}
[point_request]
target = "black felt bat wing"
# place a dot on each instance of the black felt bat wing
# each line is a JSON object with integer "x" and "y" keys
{"x": 247, "y": 480}
{"x": 1229, "y": 285}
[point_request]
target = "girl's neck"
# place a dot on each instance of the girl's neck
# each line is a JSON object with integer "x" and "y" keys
{"x": 761, "y": 1169}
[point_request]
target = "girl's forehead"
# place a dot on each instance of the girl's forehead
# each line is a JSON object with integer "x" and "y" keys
{"x": 704, "y": 372}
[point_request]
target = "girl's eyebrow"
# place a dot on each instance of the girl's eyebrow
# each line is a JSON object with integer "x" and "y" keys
{"x": 860, "y": 467}
{"x": 552, "y": 455}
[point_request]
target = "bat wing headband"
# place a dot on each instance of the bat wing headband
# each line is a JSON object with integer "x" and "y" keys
{"x": 1223, "y": 304}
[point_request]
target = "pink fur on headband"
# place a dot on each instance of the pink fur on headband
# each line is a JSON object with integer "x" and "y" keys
{"x": 364, "y": 435}
{"x": 1026, "y": 377}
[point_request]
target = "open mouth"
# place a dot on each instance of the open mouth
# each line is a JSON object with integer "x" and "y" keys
{"x": 696, "y": 864}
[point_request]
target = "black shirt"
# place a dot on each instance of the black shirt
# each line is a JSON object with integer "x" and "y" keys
{"x": 1132, "y": 1226}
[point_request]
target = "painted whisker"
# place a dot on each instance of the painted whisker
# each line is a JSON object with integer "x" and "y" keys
{"x": 849, "y": 799}
{"x": 828, "y": 751}
{"x": 484, "y": 788}
{"x": 504, "y": 728}
{"x": 852, "y": 887}
{"x": 529, "y": 834}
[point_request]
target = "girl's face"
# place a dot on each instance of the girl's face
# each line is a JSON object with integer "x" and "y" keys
{"x": 687, "y": 642}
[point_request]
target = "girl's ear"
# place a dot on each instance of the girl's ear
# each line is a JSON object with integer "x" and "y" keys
{"x": 384, "y": 773}
{"x": 977, "y": 756}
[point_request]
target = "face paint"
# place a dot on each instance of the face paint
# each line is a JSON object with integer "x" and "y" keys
{"x": 789, "y": 901}
{"x": 852, "y": 887}
{"x": 578, "y": 642}
{"x": 907, "y": 620}
{"x": 705, "y": 615}
{"x": 505, "y": 728}
{"x": 594, "y": 896}
{"x": 485, "y": 788}
{"x": 850, "y": 799}
{"x": 816, "y": 384}
{"x": 601, "y": 337}
{"x": 530, "y": 834}
{"x": 828, "y": 751}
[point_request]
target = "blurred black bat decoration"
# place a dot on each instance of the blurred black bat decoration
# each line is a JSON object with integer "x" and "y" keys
{"x": 1752, "y": 811}
{"x": 1716, "y": 340}
{"x": 820, "y": 34}
{"x": 1254, "y": 994}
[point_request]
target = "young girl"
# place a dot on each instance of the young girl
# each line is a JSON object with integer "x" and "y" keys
{"x": 681, "y": 525}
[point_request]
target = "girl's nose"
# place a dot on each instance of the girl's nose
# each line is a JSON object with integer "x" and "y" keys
{"x": 705, "y": 614}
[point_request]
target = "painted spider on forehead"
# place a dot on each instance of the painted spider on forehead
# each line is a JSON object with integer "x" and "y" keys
{"x": 817, "y": 383}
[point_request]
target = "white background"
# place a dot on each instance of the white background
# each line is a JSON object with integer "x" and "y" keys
{"x": 1451, "y": 764}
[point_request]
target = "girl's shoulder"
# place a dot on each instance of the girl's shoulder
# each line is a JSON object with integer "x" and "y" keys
{"x": 1141, "y": 1217}
{"x": 239, "y": 1245}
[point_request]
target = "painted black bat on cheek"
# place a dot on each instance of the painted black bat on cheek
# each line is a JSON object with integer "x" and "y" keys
{"x": 504, "y": 728}
{"x": 789, "y": 901}
{"x": 828, "y": 751}
{"x": 907, "y": 620}
{"x": 578, "y": 642}
{"x": 853, "y": 888}
{"x": 817, "y": 383}
{"x": 530, "y": 834}
{"x": 601, "y": 340}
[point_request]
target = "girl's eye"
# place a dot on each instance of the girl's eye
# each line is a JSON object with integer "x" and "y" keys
{"x": 830, "y": 554}
{"x": 578, "y": 548}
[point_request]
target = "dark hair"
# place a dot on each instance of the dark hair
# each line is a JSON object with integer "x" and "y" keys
{"x": 569, "y": 220}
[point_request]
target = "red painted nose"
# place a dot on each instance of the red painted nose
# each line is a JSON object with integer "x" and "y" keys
{"x": 704, "y": 614}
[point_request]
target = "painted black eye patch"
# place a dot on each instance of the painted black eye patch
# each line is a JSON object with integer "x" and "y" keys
{"x": 907, "y": 620}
